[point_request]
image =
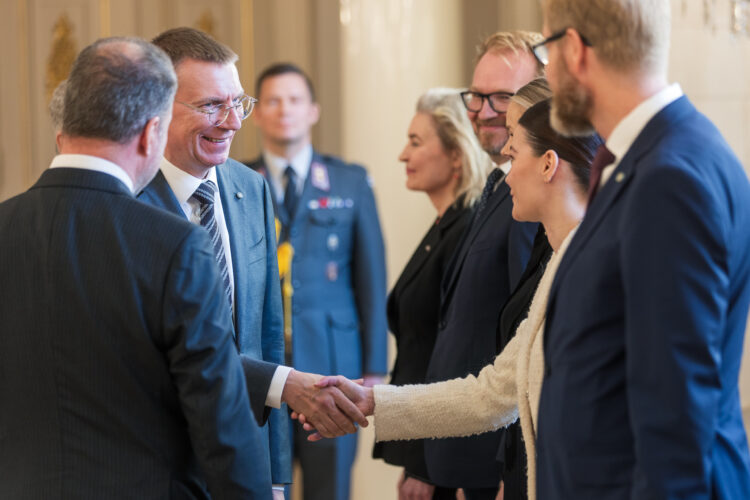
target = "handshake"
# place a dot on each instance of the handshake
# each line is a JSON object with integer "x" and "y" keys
{"x": 331, "y": 406}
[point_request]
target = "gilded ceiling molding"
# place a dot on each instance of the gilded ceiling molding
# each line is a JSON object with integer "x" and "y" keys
{"x": 206, "y": 23}
{"x": 61, "y": 55}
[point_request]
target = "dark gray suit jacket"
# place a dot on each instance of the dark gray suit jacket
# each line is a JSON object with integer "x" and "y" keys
{"x": 118, "y": 375}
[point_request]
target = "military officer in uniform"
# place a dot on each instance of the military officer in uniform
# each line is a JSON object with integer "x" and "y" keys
{"x": 334, "y": 275}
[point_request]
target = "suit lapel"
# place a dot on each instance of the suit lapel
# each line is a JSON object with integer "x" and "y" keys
{"x": 617, "y": 182}
{"x": 235, "y": 211}
{"x": 158, "y": 193}
{"x": 454, "y": 271}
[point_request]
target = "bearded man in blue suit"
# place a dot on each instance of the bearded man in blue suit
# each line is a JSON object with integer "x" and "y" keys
{"x": 647, "y": 315}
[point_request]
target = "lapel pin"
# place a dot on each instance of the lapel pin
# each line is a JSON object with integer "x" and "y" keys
{"x": 619, "y": 177}
{"x": 238, "y": 195}
{"x": 427, "y": 248}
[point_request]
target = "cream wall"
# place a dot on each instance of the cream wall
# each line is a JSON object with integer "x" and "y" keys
{"x": 370, "y": 59}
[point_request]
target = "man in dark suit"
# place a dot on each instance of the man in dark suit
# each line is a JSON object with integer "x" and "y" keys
{"x": 647, "y": 314}
{"x": 209, "y": 108}
{"x": 336, "y": 316}
{"x": 118, "y": 375}
{"x": 485, "y": 269}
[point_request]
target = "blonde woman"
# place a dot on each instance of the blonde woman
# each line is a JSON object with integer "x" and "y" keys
{"x": 443, "y": 159}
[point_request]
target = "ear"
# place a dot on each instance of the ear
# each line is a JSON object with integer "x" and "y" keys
{"x": 550, "y": 164}
{"x": 148, "y": 141}
{"x": 314, "y": 113}
{"x": 575, "y": 53}
{"x": 456, "y": 160}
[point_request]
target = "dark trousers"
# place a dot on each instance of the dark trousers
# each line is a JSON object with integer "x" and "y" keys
{"x": 481, "y": 493}
{"x": 326, "y": 465}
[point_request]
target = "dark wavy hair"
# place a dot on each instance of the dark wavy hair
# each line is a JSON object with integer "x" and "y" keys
{"x": 577, "y": 151}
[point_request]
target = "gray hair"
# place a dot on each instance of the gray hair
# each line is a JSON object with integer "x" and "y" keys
{"x": 453, "y": 128}
{"x": 115, "y": 87}
{"x": 56, "y": 105}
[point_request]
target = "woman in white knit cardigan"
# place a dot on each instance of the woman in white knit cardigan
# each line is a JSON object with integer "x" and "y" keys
{"x": 548, "y": 183}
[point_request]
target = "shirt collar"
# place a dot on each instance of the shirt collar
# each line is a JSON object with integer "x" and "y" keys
{"x": 299, "y": 162}
{"x": 626, "y": 132}
{"x": 95, "y": 163}
{"x": 182, "y": 183}
{"x": 505, "y": 167}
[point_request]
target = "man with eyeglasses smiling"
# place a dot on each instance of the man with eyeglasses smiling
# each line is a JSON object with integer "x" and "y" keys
{"x": 197, "y": 180}
{"x": 484, "y": 271}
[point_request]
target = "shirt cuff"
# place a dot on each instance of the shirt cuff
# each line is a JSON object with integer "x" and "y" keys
{"x": 278, "y": 487}
{"x": 273, "y": 398}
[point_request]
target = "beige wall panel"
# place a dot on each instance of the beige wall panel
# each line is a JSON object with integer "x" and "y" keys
{"x": 43, "y": 15}
{"x": 15, "y": 119}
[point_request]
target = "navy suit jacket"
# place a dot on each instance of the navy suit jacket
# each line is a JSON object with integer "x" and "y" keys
{"x": 118, "y": 374}
{"x": 484, "y": 271}
{"x": 338, "y": 274}
{"x": 645, "y": 325}
{"x": 257, "y": 297}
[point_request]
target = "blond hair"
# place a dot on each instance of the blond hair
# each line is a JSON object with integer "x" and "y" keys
{"x": 625, "y": 34}
{"x": 516, "y": 42}
{"x": 454, "y": 130}
{"x": 533, "y": 92}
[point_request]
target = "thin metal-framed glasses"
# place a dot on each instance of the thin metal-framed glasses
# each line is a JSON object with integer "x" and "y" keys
{"x": 218, "y": 113}
{"x": 541, "y": 52}
{"x": 475, "y": 100}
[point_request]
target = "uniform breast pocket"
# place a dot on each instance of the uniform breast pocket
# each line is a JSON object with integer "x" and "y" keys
{"x": 343, "y": 332}
{"x": 329, "y": 233}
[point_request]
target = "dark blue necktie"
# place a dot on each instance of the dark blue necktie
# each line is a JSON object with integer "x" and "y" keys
{"x": 205, "y": 195}
{"x": 489, "y": 188}
{"x": 291, "y": 196}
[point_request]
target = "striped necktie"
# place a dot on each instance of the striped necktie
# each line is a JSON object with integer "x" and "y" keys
{"x": 205, "y": 195}
{"x": 489, "y": 188}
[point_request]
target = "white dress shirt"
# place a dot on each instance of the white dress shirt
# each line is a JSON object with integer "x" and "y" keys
{"x": 95, "y": 163}
{"x": 276, "y": 165}
{"x": 183, "y": 186}
{"x": 626, "y": 132}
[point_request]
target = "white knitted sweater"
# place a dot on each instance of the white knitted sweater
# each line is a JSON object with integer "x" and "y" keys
{"x": 473, "y": 405}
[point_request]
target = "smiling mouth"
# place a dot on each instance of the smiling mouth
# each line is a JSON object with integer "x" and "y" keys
{"x": 216, "y": 141}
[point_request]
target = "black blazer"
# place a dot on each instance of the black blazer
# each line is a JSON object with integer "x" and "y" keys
{"x": 512, "y": 452}
{"x": 413, "y": 307}
{"x": 118, "y": 374}
{"x": 483, "y": 273}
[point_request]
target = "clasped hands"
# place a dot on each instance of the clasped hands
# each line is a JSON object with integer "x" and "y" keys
{"x": 331, "y": 406}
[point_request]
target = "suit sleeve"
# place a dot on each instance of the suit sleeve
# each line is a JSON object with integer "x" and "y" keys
{"x": 273, "y": 348}
{"x": 206, "y": 370}
{"x": 369, "y": 282}
{"x": 675, "y": 275}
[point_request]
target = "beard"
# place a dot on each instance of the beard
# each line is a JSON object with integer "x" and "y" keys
{"x": 571, "y": 107}
{"x": 492, "y": 142}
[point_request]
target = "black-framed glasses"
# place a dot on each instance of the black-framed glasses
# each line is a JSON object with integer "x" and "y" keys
{"x": 218, "y": 113}
{"x": 540, "y": 49}
{"x": 475, "y": 100}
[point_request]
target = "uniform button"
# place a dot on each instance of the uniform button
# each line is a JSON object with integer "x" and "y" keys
{"x": 294, "y": 232}
{"x": 296, "y": 283}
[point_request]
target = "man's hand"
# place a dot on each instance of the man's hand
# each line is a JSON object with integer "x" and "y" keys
{"x": 410, "y": 488}
{"x": 325, "y": 407}
{"x": 356, "y": 393}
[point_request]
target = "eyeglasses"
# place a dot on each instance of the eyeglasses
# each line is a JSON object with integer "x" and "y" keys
{"x": 475, "y": 100}
{"x": 218, "y": 113}
{"x": 540, "y": 49}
